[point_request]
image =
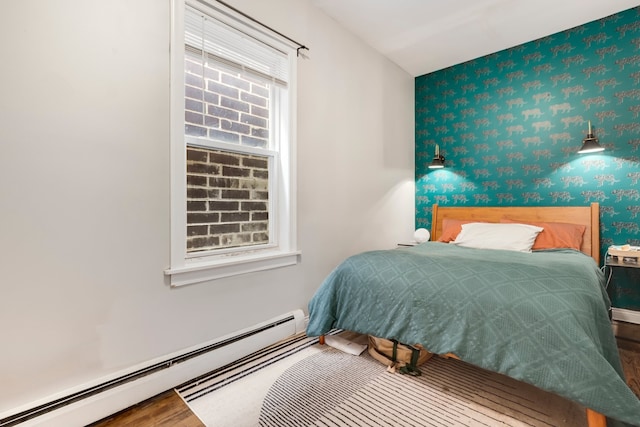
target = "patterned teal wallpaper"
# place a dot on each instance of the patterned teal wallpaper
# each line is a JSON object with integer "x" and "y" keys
{"x": 510, "y": 125}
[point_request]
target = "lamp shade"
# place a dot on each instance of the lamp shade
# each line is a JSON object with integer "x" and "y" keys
{"x": 438, "y": 160}
{"x": 437, "y": 163}
{"x": 421, "y": 235}
{"x": 590, "y": 143}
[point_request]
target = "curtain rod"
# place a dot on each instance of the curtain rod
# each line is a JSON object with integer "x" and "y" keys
{"x": 300, "y": 45}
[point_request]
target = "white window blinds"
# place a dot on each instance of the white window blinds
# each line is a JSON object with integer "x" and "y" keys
{"x": 208, "y": 37}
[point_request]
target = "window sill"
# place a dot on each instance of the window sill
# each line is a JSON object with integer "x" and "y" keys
{"x": 230, "y": 266}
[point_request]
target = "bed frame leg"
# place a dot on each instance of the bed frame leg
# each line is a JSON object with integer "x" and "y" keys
{"x": 595, "y": 419}
{"x": 321, "y": 339}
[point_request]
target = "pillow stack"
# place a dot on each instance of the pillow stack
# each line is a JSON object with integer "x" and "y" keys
{"x": 510, "y": 234}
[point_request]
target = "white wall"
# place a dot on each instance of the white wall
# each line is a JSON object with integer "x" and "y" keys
{"x": 84, "y": 186}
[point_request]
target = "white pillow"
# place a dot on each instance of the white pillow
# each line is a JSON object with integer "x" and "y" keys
{"x": 506, "y": 236}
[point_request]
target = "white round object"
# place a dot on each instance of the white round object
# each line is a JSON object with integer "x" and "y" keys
{"x": 421, "y": 235}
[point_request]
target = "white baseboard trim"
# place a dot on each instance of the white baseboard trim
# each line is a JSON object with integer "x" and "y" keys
{"x": 624, "y": 315}
{"x": 97, "y": 406}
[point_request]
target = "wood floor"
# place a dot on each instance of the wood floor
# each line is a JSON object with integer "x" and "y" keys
{"x": 164, "y": 410}
{"x": 169, "y": 410}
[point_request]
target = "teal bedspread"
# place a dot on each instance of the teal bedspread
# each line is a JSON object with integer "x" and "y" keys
{"x": 538, "y": 317}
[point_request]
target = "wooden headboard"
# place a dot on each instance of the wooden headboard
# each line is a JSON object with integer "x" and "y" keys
{"x": 583, "y": 215}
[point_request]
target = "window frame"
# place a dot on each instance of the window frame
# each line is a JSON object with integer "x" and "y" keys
{"x": 188, "y": 268}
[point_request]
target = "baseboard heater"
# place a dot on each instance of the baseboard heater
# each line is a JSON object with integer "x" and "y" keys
{"x": 93, "y": 401}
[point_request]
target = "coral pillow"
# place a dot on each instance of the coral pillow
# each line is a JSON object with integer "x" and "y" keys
{"x": 450, "y": 229}
{"x": 556, "y": 235}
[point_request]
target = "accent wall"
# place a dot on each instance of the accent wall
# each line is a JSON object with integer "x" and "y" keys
{"x": 510, "y": 125}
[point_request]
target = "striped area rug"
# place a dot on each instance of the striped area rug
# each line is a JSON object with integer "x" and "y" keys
{"x": 272, "y": 356}
{"x": 300, "y": 383}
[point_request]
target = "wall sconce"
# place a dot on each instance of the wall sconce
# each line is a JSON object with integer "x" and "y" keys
{"x": 438, "y": 160}
{"x": 590, "y": 143}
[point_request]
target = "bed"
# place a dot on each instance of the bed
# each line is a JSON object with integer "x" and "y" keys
{"x": 540, "y": 316}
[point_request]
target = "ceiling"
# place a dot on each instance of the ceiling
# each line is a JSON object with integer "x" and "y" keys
{"x": 422, "y": 36}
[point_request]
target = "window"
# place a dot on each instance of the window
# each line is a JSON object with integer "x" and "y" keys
{"x": 233, "y": 99}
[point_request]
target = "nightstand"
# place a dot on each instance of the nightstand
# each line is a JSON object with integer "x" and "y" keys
{"x": 624, "y": 261}
{"x": 407, "y": 244}
{"x": 622, "y": 269}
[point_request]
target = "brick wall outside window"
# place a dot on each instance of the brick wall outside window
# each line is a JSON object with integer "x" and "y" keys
{"x": 227, "y": 199}
{"x": 225, "y": 106}
{"x": 227, "y": 192}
